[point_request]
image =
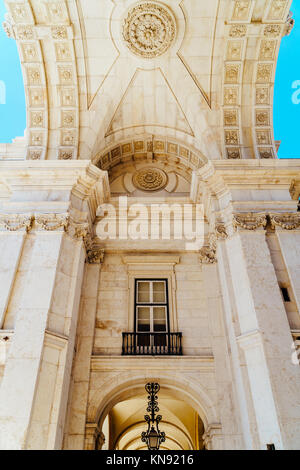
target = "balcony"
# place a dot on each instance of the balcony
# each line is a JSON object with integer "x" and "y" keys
{"x": 152, "y": 344}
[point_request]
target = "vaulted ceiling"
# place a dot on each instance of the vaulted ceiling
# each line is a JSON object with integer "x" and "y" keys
{"x": 102, "y": 76}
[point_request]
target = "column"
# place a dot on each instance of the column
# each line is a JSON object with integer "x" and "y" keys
{"x": 36, "y": 377}
{"x": 265, "y": 336}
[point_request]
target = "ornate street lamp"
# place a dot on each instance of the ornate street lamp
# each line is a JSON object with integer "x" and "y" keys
{"x": 153, "y": 436}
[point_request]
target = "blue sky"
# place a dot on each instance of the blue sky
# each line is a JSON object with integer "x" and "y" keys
{"x": 286, "y": 112}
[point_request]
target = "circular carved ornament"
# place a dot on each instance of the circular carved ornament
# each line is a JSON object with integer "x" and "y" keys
{"x": 149, "y": 29}
{"x": 150, "y": 179}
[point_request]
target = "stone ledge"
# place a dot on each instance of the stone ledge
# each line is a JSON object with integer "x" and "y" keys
{"x": 106, "y": 363}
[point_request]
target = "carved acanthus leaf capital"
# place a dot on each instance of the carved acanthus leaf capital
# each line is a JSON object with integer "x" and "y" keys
{"x": 95, "y": 255}
{"x": 208, "y": 254}
{"x": 249, "y": 221}
{"x": 52, "y": 222}
{"x": 16, "y": 222}
{"x": 78, "y": 230}
{"x": 221, "y": 231}
{"x": 285, "y": 221}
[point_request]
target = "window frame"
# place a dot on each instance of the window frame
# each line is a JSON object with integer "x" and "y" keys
{"x": 156, "y": 304}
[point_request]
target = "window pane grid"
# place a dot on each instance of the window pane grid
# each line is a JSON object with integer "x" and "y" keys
{"x": 151, "y": 306}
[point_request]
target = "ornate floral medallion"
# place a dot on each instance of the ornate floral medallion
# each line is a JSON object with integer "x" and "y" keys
{"x": 149, "y": 29}
{"x": 150, "y": 179}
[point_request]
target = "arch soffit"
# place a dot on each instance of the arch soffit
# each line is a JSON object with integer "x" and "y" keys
{"x": 163, "y": 149}
{"x": 193, "y": 393}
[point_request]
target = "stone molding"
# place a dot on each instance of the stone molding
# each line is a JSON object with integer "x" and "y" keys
{"x": 213, "y": 431}
{"x": 251, "y": 339}
{"x": 137, "y": 363}
{"x": 94, "y": 437}
{"x": 160, "y": 259}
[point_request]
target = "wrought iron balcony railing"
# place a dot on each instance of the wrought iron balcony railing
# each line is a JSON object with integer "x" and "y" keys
{"x": 152, "y": 344}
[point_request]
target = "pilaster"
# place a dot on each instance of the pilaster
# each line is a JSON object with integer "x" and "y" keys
{"x": 265, "y": 336}
{"x": 53, "y": 230}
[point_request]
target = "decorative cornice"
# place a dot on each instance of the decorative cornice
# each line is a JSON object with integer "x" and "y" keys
{"x": 16, "y": 222}
{"x": 285, "y": 221}
{"x": 249, "y": 221}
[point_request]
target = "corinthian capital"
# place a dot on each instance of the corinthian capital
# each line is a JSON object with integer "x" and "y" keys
{"x": 208, "y": 254}
{"x": 286, "y": 221}
{"x": 249, "y": 221}
{"x": 95, "y": 256}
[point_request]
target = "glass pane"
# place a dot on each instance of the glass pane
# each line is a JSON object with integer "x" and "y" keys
{"x": 143, "y": 319}
{"x": 159, "y": 294}
{"x": 159, "y": 319}
{"x": 143, "y": 292}
{"x": 159, "y": 313}
{"x": 143, "y": 313}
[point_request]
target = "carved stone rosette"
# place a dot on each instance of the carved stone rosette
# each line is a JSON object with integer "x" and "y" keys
{"x": 149, "y": 29}
{"x": 249, "y": 221}
{"x": 150, "y": 179}
{"x": 16, "y": 222}
{"x": 285, "y": 221}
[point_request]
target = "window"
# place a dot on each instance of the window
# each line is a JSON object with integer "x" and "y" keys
{"x": 151, "y": 311}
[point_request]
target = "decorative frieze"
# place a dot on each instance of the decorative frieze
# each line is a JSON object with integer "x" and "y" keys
{"x": 52, "y": 222}
{"x": 249, "y": 221}
{"x": 16, "y": 222}
{"x": 285, "y": 221}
